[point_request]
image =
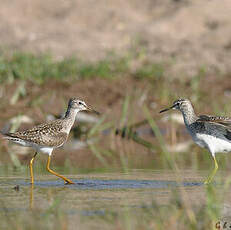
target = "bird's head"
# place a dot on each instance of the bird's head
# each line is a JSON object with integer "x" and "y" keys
{"x": 80, "y": 105}
{"x": 180, "y": 104}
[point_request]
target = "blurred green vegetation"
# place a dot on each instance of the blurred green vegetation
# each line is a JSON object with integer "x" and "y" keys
{"x": 40, "y": 68}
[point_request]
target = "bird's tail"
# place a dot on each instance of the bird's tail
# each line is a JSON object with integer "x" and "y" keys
{"x": 8, "y": 136}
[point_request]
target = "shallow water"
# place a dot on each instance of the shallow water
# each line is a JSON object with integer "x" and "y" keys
{"x": 138, "y": 183}
{"x": 96, "y": 195}
{"x": 97, "y": 184}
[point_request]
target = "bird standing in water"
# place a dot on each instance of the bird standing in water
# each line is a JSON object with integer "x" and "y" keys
{"x": 210, "y": 132}
{"x": 46, "y": 137}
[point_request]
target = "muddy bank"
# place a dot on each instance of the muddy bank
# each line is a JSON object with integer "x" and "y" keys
{"x": 187, "y": 35}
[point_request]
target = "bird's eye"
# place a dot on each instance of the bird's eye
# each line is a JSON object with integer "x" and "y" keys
{"x": 80, "y": 103}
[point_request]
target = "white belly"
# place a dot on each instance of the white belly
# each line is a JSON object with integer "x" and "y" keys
{"x": 46, "y": 150}
{"x": 212, "y": 143}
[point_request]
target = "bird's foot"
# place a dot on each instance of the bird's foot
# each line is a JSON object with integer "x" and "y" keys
{"x": 69, "y": 182}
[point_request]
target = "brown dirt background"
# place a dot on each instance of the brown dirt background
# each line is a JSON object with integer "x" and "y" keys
{"x": 187, "y": 35}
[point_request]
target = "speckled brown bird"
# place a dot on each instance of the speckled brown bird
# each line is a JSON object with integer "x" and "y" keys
{"x": 46, "y": 137}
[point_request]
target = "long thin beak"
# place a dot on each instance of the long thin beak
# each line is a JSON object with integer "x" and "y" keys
{"x": 92, "y": 110}
{"x": 164, "y": 110}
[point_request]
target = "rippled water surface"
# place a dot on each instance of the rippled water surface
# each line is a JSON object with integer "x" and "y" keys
{"x": 95, "y": 198}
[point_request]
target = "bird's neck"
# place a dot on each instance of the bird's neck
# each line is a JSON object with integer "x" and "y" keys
{"x": 70, "y": 118}
{"x": 189, "y": 115}
{"x": 70, "y": 113}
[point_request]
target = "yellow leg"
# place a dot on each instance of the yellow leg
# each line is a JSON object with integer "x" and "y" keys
{"x": 31, "y": 168}
{"x": 213, "y": 172}
{"x": 56, "y": 174}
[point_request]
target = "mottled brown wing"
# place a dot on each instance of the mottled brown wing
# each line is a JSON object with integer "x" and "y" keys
{"x": 54, "y": 140}
{"x": 48, "y": 134}
{"x": 47, "y": 128}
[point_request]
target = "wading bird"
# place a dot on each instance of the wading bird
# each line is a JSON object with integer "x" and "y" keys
{"x": 210, "y": 132}
{"x": 46, "y": 137}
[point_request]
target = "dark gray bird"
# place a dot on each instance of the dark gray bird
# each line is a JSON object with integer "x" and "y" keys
{"x": 210, "y": 132}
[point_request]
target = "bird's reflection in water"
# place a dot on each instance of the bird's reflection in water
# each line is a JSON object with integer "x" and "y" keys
{"x": 50, "y": 195}
{"x": 31, "y": 196}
